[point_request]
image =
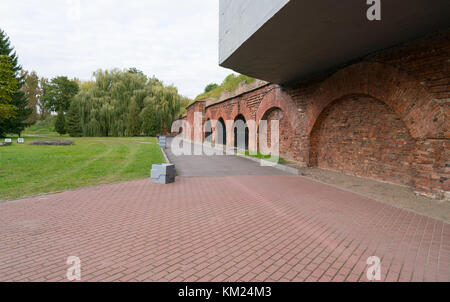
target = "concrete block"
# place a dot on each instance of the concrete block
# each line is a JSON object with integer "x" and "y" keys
{"x": 162, "y": 142}
{"x": 163, "y": 173}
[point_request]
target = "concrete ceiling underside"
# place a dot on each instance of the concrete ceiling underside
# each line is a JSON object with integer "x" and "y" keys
{"x": 309, "y": 37}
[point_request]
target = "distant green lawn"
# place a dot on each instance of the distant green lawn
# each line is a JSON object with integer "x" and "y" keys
{"x": 46, "y": 127}
{"x": 29, "y": 170}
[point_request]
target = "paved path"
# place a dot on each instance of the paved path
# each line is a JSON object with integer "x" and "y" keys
{"x": 217, "y": 165}
{"x": 240, "y": 228}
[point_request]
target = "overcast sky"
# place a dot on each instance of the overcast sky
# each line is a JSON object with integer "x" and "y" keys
{"x": 175, "y": 40}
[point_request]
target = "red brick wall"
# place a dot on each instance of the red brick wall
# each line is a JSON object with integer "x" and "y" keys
{"x": 432, "y": 167}
{"x": 405, "y": 89}
{"x": 196, "y": 107}
{"x": 362, "y": 136}
{"x": 425, "y": 59}
{"x": 246, "y": 104}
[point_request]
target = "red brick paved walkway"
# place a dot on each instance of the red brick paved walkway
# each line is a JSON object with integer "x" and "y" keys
{"x": 263, "y": 228}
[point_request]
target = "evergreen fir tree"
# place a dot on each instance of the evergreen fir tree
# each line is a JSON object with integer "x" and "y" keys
{"x": 17, "y": 122}
{"x": 74, "y": 121}
{"x": 60, "y": 124}
{"x": 8, "y": 86}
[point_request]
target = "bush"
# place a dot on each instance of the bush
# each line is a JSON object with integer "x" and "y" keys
{"x": 60, "y": 124}
{"x": 210, "y": 87}
{"x": 73, "y": 121}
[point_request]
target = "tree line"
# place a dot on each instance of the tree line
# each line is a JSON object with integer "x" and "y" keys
{"x": 123, "y": 103}
{"x": 116, "y": 103}
{"x": 14, "y": 106}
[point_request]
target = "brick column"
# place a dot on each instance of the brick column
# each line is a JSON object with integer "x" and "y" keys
{"x": 303, "y": 150}
{"x": 432, "y": 168}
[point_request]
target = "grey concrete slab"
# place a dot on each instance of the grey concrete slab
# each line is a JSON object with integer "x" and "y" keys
{"x": 217, "y": 165}
{"x": 284, "y": 43}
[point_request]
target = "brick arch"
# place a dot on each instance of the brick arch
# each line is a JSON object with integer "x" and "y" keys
{"x": 216, "y": 114}
{"x": 234, "y": 129}
{"x": 361, "y": 135}
{"x": 273, "y": 113}
{"x": 222, "y": 114}
{"x": 243, "y": 111}
{"x": 277, "y": 98}
{"x": 209, "y": 116}
{"x": 400, "y": 91}
{"x": 238, "y": 108}
{"x": 206, "y": 130}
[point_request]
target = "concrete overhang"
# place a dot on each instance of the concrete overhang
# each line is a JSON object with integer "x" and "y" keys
{"x": 287, "y": 41}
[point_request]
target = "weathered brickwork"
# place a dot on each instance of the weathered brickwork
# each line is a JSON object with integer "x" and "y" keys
{"x": 362, "y": 136}
{"x": 426, "y": 60}
{"x": 432, "y": 167}
{"x": 190, "y": 118}
{"x": 384, "y": 117}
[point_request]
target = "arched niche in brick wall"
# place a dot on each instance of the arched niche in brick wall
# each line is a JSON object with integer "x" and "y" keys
{"x": 239, "y": 109}
{"x": 272, "y": 114}
{"x": 401, "y": 92}
{"x": 278, "y": 105}
{"x": 215, "y": 115}
{"x": 208, "y": 131}
{"x": 360, "y": 135}
{"x": 241, "y": 133}
{"x": 277, "y": 98}
{"x": 220, "y": 132}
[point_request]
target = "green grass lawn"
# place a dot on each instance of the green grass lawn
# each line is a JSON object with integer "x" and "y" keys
{"x": 29, "y": 170}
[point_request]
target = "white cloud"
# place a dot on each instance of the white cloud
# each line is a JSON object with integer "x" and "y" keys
{"x": 175, "y": 40}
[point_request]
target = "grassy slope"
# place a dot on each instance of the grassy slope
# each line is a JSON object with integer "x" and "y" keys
{"x": 230, "y": 84}
{"x": 42, "y": 127}
{"x": 29, "y": 170}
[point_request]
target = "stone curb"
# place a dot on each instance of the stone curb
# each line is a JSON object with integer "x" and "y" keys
{"x": 165, "y": 156}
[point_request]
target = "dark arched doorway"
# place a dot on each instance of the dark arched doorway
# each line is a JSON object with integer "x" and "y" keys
{"x": 208, "y": 131}
{"x": 241, "y": 133}
{"x": 221, "y": 132}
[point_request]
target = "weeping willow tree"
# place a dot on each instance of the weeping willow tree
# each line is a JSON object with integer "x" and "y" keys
{"x": 123, "y": 103}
